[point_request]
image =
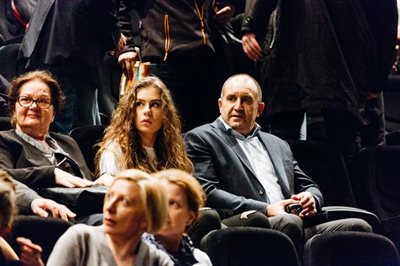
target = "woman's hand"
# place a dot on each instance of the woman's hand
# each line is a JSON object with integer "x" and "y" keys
{"x": 30, "y": 253}
{"x": 65, "y": 179}
{"x": 42, "y": 207}
{"x": 104, "y": 180}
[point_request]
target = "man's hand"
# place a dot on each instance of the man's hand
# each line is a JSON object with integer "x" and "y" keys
{"x": 65, "y": 179}
{"x": 30, "y": 253}
{"x": 127, "y": 61}
{"x": 120, "y": 45}
{"x": 372, "y": 95}
{"x": 41, "y": 207}
{"x": 251, "y": 47}
{"x": 224, "y": 15}
{"x": 307, "y": 201}
{"x": 278, "y": 207}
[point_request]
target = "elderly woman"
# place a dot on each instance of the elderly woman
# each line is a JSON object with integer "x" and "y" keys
{"x": 185, "y": 198}
{"x": 31, "y": 154}
{"x": 135, "y": 203}
{"x": 145, "y": 133}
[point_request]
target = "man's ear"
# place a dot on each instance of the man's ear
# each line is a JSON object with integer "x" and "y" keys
{"x": 260, "y": 108}
{"x": 219, "y": 103}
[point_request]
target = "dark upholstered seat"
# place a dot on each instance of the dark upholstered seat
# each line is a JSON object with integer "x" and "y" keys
{"x": 244, "y": 246}
{"x": 350, "y": 248}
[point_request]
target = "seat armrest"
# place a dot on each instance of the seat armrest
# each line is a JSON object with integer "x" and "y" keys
{"x": 343, "y": 212}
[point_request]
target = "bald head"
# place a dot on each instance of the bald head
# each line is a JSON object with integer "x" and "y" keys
{"x": 245, "y": 81}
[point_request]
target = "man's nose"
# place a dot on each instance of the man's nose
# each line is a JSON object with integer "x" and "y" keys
{"x": 238, "y": 105}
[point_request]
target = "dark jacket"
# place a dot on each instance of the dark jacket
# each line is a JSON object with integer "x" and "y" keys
{"x": 171, "y": 31}
{"x": 226, "y": 174}
{"x": 71, "y": 34}
{"x": 325, "y": 54}
{"x": 28, "y": 165}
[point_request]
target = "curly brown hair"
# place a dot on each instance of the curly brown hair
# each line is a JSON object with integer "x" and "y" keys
{"x": 169, "y": 145}
{"x": 57, "y": 96}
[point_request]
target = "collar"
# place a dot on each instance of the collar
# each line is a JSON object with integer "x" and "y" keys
{"x": 238, "y": 135}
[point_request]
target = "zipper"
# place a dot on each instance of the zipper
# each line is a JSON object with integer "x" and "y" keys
{"x": 200, "y": 14}
{"x": 167, "y": 41}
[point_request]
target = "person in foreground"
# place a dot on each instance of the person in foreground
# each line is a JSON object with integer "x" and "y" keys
{"x": 8, "y": 210}
{"x": 135, "y": 203}
{"x": 257, "y": 170}
{"x": 185, "y": 198}
{"x": 34, "y": 156}
{"x": 145, "y": 133}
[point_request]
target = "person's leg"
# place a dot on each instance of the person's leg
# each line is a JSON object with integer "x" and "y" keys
{"x": 343, "y": 132}
{"x": 249, "y": 218}
{"x": 374, "y": 133}
{"x": 286, "y": 125}
{"x": 207, "y": 221}
{"x": 350, "y": 224}
{"x": 292, "y": 226}
{"x": 87, "y": 104}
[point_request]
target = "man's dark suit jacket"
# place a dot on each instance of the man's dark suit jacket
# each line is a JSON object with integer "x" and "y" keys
{"x": 227, "y": 176}
{"x": 71, "y": 34}
{"x": 27, "y": 165}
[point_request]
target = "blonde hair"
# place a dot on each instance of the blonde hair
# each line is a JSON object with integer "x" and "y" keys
{"x": 194, "y": 192}
{"x": 169, "y": 146}
{"x": 152, "y": 195}
{"x": 8, "y": 208}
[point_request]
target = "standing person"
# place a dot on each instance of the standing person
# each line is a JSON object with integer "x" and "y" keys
{"x": 330, "y": 55}
{"x": 257, "y": 170}
{"x": 144, "y": 133}
{"x": 135, "y": 203}
{"x": 176, "y": 36}
{"x": 69, "y": 39}
{"x": 185, "y": 198}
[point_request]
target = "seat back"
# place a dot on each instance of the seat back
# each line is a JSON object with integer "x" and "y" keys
{"x": 326, "y": 167}
{"x": 42, "y": 231}
{"x": 242, "y": 246}
{"x": 8, "y": 60}
{"x": 87, "y": 137}
{"x": 350, "y": 248}
{"x": 375, "y": 178}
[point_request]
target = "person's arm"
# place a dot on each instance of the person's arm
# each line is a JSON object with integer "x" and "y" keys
{"x": 28, "y": 202}
{"x": 383, "y": 22}
{"x": 199, "y": 152}
{"x": 255, "y": 23}
{"x": 130, "y": 26}
{"x": 70, "y": 248}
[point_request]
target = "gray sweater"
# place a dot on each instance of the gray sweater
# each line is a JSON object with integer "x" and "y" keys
{"x": 84, "y": 245}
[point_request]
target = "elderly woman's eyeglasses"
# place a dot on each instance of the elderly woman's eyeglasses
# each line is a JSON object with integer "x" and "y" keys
{"x": 42, "y": 103}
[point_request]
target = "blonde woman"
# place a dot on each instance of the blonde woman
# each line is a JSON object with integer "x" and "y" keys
{"x": 135, "y": 203}
{"x": 185, "y": 198}
{"x": 144, "y": 133}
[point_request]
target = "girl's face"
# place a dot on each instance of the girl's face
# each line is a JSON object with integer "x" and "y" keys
{"x": 149, "y": 114}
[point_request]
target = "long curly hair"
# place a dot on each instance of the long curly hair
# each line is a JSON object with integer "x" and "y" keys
{"x": 169, "y": 145}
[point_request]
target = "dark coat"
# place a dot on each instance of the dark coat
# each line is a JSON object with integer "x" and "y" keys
{"x": 227, "y": 177}
{"x": 71, "y": 34}
{"x": 326, "y": 54}
{"x": 29, "y": 166}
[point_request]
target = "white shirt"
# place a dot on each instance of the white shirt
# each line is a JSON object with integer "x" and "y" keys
{"x": 260, "y": 161}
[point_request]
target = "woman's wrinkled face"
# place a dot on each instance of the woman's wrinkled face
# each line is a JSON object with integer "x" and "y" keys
{"x": 179, "y": 214}
{"x": 149, "y": 112}
{"x": 34, "y": 120}
{"x": 123, "y": 210}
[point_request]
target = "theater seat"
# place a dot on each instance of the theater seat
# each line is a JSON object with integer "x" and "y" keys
{"x": 42, "y": 231}
{"x": 376, "y": 183}
{"x": 350, "y": 249}
{"x": 87, "y": 137}
{"x": 326, "y": 167}
{"x": 244, "y": 246}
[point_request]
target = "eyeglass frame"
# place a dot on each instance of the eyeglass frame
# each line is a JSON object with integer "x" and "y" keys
{"x": 35, "y": 101}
